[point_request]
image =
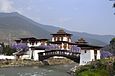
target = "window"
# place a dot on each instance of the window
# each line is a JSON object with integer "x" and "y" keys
{"x": 65, "y": 45}
{"x": 58, "y": 38}
{"x": 95, "y": 57}
{"x": 95, "y": 54}
{"x": 85, "y": 51}
{"x": 95, "y": 51}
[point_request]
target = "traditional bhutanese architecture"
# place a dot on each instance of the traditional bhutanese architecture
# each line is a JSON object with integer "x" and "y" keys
{"x": 61, "y": 35}
{"x": 62, "y": 39}
{"x": 1, "y": 48}
{"x": 88, "y": 52}
{"x": 32, "y": 43}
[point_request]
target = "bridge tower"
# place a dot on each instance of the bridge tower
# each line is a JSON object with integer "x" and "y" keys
{"x": 62, "y": 39}
{"x": 88, "y": 52}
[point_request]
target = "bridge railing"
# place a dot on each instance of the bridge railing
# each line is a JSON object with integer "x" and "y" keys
{"x": 59, "y": 52}
{"x": 65, "y": 53}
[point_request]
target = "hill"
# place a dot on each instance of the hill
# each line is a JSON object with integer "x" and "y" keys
{"x": 13, "y": 26}
{"x": 91, "y": 38}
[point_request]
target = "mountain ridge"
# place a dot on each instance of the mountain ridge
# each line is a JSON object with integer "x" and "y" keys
{"x": 21, "y": 26}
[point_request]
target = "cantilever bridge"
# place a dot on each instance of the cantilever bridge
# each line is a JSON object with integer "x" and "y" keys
{"x": 75, "y": 56}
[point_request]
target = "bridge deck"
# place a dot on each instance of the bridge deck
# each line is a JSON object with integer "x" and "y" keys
{"x": 75, "y": 56}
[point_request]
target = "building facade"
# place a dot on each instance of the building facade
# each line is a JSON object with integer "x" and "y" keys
{"x": 62, "y": 41}
{"x": 32, "y": 44}
{"x": 88, "y": 52}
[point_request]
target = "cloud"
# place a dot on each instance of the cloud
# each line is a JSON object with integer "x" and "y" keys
{"x": 6, "y": 6}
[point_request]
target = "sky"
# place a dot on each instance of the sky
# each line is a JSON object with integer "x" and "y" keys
{"x": 91, "y": 16}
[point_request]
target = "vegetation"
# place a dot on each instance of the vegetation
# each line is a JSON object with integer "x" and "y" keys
{"x": 94, "y": 73}
{"x": 113, "y": 40}
{"x": 7, "y": 50}
{"x": 111, "y": 47}
{"x": 112, "y": 44}
{"x": 103, "y": 67}
{"x": 19, "y": 63}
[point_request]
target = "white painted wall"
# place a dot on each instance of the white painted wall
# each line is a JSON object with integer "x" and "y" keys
{"x": 59, "y": 38}
{"x": 56, "y": 38}
{"x": 98, "y": 54}
{"x": 52, "y": 39}
{"x": 86, "y": 57}
{"x": 35, "y": 54}
{"x": 65, "y": 39}
{"x": 46, "y": 43}
{"x": 35, "y": 44}
{"x": 92, "y": 55}
{"x": 30, "y": 45}
{"x": 7, "y": 57}
{"x": 29, "y": 52}
{"x": 69, "y": 40}
{"x": 62, "y": 46}
{"x": 25, "y": 57}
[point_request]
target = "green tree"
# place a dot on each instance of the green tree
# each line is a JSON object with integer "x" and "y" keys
{"x": 112, "y": 41}
{"x": 112, "y": 46}
{"x": 7, "y": 50}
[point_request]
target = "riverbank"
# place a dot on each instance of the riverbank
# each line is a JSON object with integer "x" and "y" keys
{"x": 31, "y": 63}
{"x": 57, "y": 61}
{"x": 19, "y": 63}
{"x": 22, "y": 63}
{"x": 102, "y": 67}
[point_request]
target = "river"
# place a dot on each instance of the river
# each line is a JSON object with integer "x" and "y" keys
{"x": 54, "y": 70}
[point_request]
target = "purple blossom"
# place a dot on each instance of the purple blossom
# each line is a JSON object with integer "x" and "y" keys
{"x": 20, "y": 46}
{"x": 105, "y": 54}
{"x": 42, "y": 46}
{"x": 75, "y": 48}
{"x": 48, "y": 47}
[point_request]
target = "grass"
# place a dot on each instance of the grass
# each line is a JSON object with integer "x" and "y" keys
{"x": 97, "y": 72}
{"x": 97, "y": 68}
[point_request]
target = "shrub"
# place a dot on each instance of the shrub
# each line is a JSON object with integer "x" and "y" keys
{"x": 96, "y": 72}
